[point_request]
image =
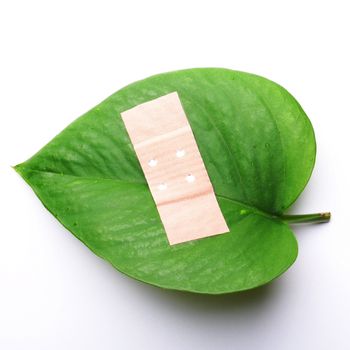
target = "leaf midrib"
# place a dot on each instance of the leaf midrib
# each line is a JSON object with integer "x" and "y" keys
{"x": 251, "y": 208}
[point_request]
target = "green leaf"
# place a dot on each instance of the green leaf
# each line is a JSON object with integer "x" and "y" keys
{"x": 259, "y": 149}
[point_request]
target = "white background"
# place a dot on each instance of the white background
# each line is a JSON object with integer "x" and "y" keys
{"x": 59, "y": 59}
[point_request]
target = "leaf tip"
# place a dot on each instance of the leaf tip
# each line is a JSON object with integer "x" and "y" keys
{"x": 18, "y": 168}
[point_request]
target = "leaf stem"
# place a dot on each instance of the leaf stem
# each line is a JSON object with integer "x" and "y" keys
{"x": 307, "y": 218}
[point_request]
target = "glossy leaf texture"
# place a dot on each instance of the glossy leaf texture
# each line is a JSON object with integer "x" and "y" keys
{"x": 259, "y": 150}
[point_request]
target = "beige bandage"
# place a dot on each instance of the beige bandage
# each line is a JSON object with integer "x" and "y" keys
{"x": 174, "y": 169}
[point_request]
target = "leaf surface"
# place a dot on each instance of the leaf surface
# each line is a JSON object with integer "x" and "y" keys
{"x": 259, "y": 150}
